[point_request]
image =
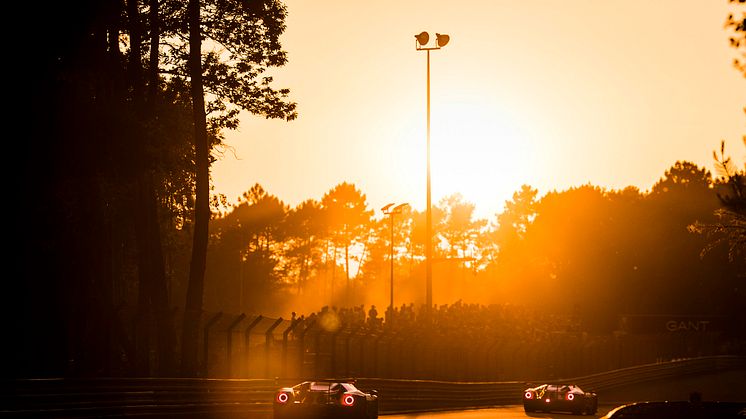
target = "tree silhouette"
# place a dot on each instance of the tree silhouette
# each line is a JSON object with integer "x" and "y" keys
{"x": 738, "y": 40}
{"x": 99, "y": 133}
{"x": 682, "y": 175}
{"x": 507, "y": 237}
{"x": 594, "y": 252}
{"x": 249, "y": 33}
{"x": 306, "y": 231}
{"x": 730, "y": 228}
{"x": 246, "y": 258}
{"x": 458, "y": 227}
{"x": 517, "y": 215}
{"x": 195, "y": 291}
{"x": 347, "y": 218}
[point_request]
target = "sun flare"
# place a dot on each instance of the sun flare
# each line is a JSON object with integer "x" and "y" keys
{"x": 480, "y": 151}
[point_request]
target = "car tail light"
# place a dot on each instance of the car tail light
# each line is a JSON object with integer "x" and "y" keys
{"x": 529, "y": 395}
{"x": 282, "y": 398}
{"x": 547, "y": 400}
{"x": 570, "y": 396}
{"x": 348, "y": 400}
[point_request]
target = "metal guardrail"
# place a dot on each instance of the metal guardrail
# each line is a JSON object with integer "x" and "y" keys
{"x": 409, "y": 395}
{"x": 117, "y": 397}
{"x": 177, "y": 397}
{"x": 661, "y": 371}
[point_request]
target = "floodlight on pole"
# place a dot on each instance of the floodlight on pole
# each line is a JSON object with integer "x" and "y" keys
{"x": 421, "y": 45}
{"x": 423, "y": 38}
{"x": 442, "y": 39}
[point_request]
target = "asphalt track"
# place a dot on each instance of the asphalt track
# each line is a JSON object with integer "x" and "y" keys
{"x": 726, "y": 386}
{"x": 505, "y": 412}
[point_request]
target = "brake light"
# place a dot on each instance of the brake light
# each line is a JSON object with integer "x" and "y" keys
{"x": 570, "y": 396}
{"x": 282, "y": 398}
{"x": 529, "y": 395}
{"x": 348, "y": 400}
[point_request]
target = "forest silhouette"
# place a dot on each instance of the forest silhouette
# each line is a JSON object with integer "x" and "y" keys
{"x": 604, "y": 252}
{"x": 116, "y": 202}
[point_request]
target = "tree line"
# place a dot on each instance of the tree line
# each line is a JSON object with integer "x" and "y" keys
{"x": 603, "y": 252}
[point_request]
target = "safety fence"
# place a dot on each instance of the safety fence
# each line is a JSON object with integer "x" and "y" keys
{"x": 476, "y": 348}
{"x": 260, "y": 347}
{"x": 227, "y": 398}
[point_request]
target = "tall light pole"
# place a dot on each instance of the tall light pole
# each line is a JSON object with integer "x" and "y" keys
{"x": 387, "y": 210}
{"x": 421, "y": 41}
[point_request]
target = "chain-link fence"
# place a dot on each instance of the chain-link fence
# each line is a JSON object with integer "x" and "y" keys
{"x": 246, "y": 346}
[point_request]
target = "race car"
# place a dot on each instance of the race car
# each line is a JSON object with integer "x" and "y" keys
{"x": 325, "y": 399}
{"x": 560, "y": 398}
{"x": 679, "y": 410}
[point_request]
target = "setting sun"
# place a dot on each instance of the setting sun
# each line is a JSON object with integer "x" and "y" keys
{"x": 480, "y": 151}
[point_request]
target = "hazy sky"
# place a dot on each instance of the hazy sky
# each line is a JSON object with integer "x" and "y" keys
{"x": 553, "y": 94}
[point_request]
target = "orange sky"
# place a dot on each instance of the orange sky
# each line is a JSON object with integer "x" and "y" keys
{"x": 553, "y": 94}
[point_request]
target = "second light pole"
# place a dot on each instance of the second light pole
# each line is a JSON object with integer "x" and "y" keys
{"x": 421, "y": 45}
{"x": 388, "y": 210}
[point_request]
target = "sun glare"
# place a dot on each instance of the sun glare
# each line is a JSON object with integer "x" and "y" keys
{"x": 479, "y": 151}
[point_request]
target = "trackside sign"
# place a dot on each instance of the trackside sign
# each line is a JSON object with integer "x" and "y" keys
{"x": 672, "y": 324}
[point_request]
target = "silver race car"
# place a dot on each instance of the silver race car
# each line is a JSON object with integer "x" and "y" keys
{"x": 560, "y": 398}
{"x": 324, "y": 399}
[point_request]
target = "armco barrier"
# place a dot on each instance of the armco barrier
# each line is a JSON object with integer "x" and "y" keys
{"x": 74, "y": 398}
{"x": 218, "y": 398}
{"x": 661, "y": 371}
{"x": 413, "y": 395}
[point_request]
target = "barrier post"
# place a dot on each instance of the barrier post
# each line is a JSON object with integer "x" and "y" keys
{"x": 347, "y": 350}
{"x": 362, "y": 365}
{"x": 205, "y": 354}
{"x": 229, "y": 342}
{"x": 333, "y": 355}
{"x": 390, "y": 361}
{"x": 316, "y": 350}
{"x": 302, "y": 347}
{"x": 375, "y": 353}
{"x": 290, "y": 328}
{"x": 247, "y": 341}
{"x": 410, "y": 355}
{"x": 267, "y": 342}
{"x": 493, "y": 367}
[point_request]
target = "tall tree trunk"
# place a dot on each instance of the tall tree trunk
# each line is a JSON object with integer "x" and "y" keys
{"x": 193, "y": 309}
{"x": 155, "y": 35}
{"x": 347, "y": 274}
{"x": 145, "y": 283}
{"x": 153, "y": 287}
{"x": 160, "y": 297}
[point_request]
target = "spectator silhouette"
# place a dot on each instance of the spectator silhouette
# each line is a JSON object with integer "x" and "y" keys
{"x": 373, "y": 315}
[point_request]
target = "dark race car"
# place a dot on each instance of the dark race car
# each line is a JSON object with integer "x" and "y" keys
{"x": 560, "y": 398}
{"x": 324, "y": 399}
{"x": 679, "y": 410}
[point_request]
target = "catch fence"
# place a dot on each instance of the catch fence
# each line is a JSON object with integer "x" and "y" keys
{"x": 244, "y": 346}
